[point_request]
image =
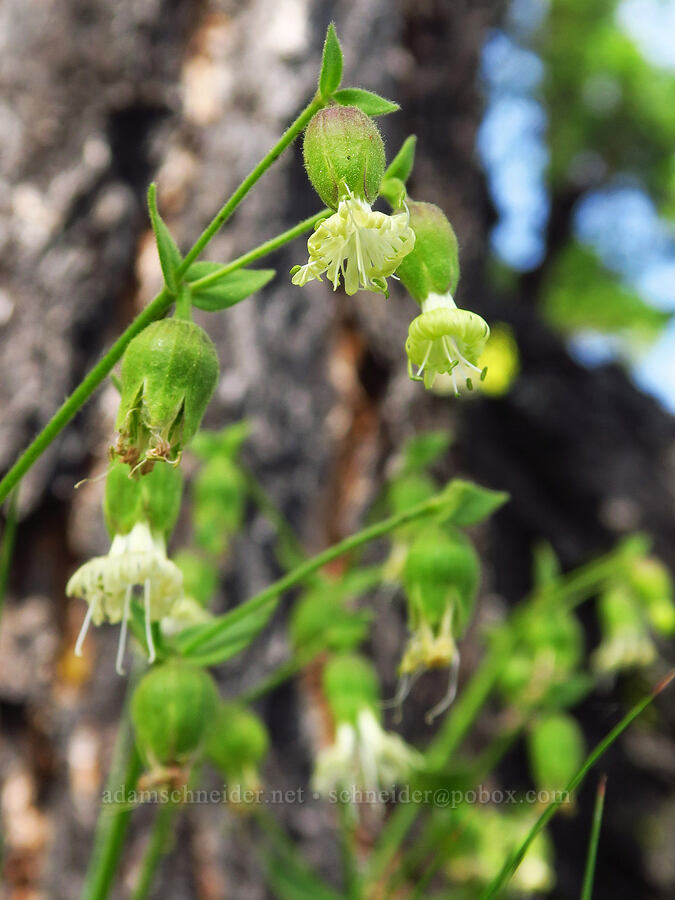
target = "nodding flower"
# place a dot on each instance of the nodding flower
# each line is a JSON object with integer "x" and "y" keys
{"x": 135, "y": 560}
{"x": 358, "y": 245}
{"x": 363, "y": 755}
{"x": 446, "y": 340}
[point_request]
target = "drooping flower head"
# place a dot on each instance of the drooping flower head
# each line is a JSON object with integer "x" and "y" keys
{"x": 363, "y": 756}
{"x": 446, "y": 340}
{"x": 344, "y": 157}
{"x": 139, "y": 515}
{"x": 440, "y": 577}
{"x": 169, "y": 372}
{"x": 443, "y": 339}
{"x": 626, "y": 641}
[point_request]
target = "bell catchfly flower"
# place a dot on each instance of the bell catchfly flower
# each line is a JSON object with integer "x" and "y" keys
{"x": 360, "y": 245}
{"x": 137, "y": 559}
{"x": 446, "y": 340}
{"x": 363, "y": 755}
{"x": 140, "y": 515}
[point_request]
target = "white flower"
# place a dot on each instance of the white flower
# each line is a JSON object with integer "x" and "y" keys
{"x": 363, "y": 246}
{"x": 364, "y": 757}
{"x": 446, "y": 340}
{"x": 136, "y": 559}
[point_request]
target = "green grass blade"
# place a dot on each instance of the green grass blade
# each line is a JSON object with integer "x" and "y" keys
{"x": 503, "y": 877}
{"x": 587, "y": 889}
{"x": 7, "y": 545}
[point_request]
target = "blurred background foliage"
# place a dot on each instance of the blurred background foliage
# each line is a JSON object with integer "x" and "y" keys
{"x": 578, "y": 143}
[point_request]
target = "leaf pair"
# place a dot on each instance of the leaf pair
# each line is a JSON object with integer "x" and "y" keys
{"x": 209, "y": 290}
{"x": 330, "y": 78}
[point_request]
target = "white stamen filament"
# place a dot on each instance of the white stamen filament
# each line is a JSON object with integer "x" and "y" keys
{"x": 451, "y": 692}
{"x": 83, "y": 631}
{"x": 122, "y": 643}
{"x": 148, "y": 624}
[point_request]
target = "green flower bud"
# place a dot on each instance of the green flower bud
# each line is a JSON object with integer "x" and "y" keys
{"x": 432, "y": 266}
{"x": 556, "y": 750}
{"x": 237, "y": 743}
{"x": 172, "y": 709}
{"x": 626, "y": 642}
{"x": 351, "y": 685}
{"x": 344, "y": 154}
{"x": 169, "y": 372}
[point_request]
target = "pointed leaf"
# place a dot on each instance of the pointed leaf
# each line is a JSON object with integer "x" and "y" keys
{"x": 228, "y": 641}
{"x": 402, "y": 164}
{"x": 231, "y": 288}
{"x": 424, "y": 449}
{"x": 169, "y": 254}
{"x": 368, "y": 102}
{"x": 467, "y": 503}
{"x": 331, "y": 64}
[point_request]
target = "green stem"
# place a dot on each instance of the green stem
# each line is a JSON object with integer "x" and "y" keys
{"x": 504, "y": 876}
{"x": 102, "y": 369}
{"x": 159, "y": 838}
{"x": 261, "y": 250}
{"x": 7, "y": 546}
{"x": 229, "y": 207}
{"x": 304, "y": 570}
{"x": 158, "y": 307}
{"x": 112, "y": 824}
{"x": 587, "y": 889}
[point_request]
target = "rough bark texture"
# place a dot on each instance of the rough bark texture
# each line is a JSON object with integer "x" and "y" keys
{"x": 97, "y": 99}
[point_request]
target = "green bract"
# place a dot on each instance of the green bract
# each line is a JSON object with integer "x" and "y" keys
{"x": 171, "y": 709}
{"x": 432, "y": 267}
{"x": 344, "y": 155}
{"x": 169, "y": 372}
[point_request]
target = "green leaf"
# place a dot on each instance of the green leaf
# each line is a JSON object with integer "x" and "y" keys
{"x": 232, "y": 288}
{"x": 331, "y": 64}
{"x": 424, "y": 449}
{"x": 368, "y": 102}
{"x": 587, "y": 889}
{"x": 466, "y": 503}
{"x": 235, "y": 633}
{"x": 402, "y": 164}
{"x": 169, "y": 254}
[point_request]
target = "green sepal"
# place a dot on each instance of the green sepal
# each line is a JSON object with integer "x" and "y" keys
{"x": 402, "y": 164}
{"x": 351, "y": 685}
{"x": 331, "y": 64}
{"x": 432, "y": 266}
{"x": 161, "y": 492}
{"x": 171, "y": 709}
{"x": 441, "y": 570}
{"x": 422, "y": 450}
{"x": 122, "y": 501}
{"x": 229, "y": 290}
{"x": 367, "y": 101}
{"x": 169, "y": 255}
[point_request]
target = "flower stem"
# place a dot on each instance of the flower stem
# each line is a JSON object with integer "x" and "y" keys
{"x": 102, "y": 369}
{"x": 159, "y": 838}
{"x": 113, "y": 823}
